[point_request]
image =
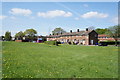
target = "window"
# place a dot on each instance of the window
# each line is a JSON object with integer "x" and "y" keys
{"x": 95, "y": 35}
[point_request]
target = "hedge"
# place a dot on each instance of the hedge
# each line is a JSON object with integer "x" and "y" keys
{"x": 109, "y": 42}
{"x": 52, "y": 43}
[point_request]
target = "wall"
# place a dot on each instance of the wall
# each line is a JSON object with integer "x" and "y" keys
{"x": 72, "y": 38}
{"x": 93, "y": 36}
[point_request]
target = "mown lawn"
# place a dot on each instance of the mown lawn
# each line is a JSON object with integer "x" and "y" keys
{"x": 36, "y": 60}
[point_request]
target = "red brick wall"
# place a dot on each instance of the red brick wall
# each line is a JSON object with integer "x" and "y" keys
{"x": 71, "y": 38}
{"x": 18, "y": 40}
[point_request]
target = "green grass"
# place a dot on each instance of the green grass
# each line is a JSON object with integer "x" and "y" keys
{"x": 38, "y": 60}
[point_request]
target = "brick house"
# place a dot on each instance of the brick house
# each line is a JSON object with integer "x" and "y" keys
{"x": 87, "y": 37}
{"x": 104, "y": 37}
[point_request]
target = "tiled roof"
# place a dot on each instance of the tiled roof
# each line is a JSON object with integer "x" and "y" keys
{"x": 102, "y": 35}
{"x": 71, "y": 34}
{"x": 108, "y": 39}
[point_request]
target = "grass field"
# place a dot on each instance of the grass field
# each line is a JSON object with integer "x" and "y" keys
{"x": 36, "y": 60}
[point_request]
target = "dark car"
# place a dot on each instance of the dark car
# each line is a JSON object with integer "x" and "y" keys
{"x": 102, "y": 44}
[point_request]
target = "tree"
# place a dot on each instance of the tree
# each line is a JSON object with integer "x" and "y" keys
{"x": 91, "y": 28}
{"x": 2, "y": 38}
{"x": 19, "y": 35}
{"x": 8, "y": 36}
{"x": 58, "y": 31}
{"x": 101, "y": 31}
{"x": 114, "y": 31}
{"x": 30, "y": 33}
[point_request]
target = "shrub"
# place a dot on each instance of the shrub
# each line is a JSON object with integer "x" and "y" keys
{"x": 109, "y": 42}
{"x": 52, "y": 43}
{"x": 58, "y": 42}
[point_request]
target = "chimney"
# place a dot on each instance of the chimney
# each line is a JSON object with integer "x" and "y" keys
{"x": 86, "y": 29}
{"x": 70, "y": 31}
{"x": 78, "y": 30}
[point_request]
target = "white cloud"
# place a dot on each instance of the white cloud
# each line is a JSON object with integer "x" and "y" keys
{"x": 76, "y": 18}
{"x": 2, "y": 17}
{"x": 85, "y": 5}
{"x": 55, "y": 13}
{"x": 67, "y": 14}
{"x": 19, "y": 11}
{"x": 115, "y": 20}
{"x": 94, "y": 15}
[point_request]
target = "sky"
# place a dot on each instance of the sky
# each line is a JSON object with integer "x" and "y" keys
{"x": 46, "y": 16}
{"x": 60, "y": 0}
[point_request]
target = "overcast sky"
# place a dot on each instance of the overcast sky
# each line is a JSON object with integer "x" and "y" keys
{"x": 45, "y": 16}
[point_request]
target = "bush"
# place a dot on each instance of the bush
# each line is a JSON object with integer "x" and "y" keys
{"x": 109, "y": 42}
{"x": 52, "y": 43}
{"x": 58, "y": 42}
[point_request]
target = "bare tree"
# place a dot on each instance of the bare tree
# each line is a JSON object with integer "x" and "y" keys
{"x": 91, "y": 28}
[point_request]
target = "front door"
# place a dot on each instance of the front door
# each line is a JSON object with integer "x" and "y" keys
{"x": 83, "y": 41}
{"x": 91, "y": 42}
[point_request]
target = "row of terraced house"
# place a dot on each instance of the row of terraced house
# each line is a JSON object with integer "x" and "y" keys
{"x": 86, "y": 37}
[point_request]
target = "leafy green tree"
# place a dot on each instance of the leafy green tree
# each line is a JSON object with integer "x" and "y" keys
{"x": 58, "y": 31}
{"x": 101, "y": 31}
{"x": 114, "y": 31}
{"x": 30, "y": 34}
{"x": 8, "y": 36}
{"x": 19, "y": 35}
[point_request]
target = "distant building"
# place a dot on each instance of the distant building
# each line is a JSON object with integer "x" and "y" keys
{"x": 104, "y": 37}
{"x": 13, "y": 38}
{"x": 41, "y": 39}
{"x": 87, "y": 37}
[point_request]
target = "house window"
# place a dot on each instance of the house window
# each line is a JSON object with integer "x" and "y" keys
{"x": 95, "y": 35}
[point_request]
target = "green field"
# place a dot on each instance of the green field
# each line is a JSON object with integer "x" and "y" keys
{"x": 38, "y": 60}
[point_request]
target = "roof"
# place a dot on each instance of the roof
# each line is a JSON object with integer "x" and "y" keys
{"x": 80, "y": 33}
{"x": 108, "y": 39}
{"x": 102, "y": 35}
